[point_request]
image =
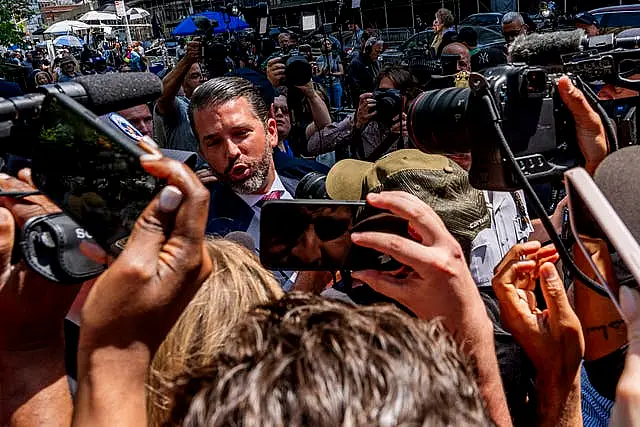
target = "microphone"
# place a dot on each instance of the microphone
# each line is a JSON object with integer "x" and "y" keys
{"x": 617, "y": 178}
{"x": 242, "y": 238}
{"x": 117, "y": 91}
{"x": 546, "y": 48}
{"x": 101, "y": 93}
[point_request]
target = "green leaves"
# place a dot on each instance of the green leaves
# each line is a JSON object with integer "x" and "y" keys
{"x": 13, "y": 13}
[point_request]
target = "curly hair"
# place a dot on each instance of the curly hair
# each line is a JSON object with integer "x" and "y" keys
{"x": 304, "y": 360}
{"x": 445, "y": 17}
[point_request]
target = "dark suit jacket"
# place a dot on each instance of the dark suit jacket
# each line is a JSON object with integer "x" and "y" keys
{"x": 228, "y": 212}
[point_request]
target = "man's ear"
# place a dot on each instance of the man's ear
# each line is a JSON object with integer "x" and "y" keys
{"x": 272, "y": 132}
{"x": 525, "y": 29}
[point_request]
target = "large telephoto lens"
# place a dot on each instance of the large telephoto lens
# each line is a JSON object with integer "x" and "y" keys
{"x": 437, "y": 121}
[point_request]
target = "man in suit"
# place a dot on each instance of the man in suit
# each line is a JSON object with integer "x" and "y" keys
{"x": 237, "y": 133}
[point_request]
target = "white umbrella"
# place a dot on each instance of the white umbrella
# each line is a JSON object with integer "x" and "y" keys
{"x": 64, "y": 27}
{"x": 136, "y": 13}
{"x": 95, "y": 15}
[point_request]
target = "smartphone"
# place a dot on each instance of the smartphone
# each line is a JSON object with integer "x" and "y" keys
{"x": 91, "y": 171}
{"x": 316, "y": 235}
{"x": 591, "y": 215}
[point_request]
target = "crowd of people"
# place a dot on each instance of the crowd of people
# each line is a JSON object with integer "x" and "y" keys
{"x": 480, "y": 326}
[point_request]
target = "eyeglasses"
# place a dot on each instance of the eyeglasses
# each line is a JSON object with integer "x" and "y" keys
{"x": 283, "y": 108}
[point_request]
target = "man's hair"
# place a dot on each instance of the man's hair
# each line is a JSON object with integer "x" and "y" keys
{"x": 220, "y": 90}
{"x": 445, "y": 17}
{"x": 402, "y": 79}
{"x": 304, "y": 360}
{"x": 511, "y": 17}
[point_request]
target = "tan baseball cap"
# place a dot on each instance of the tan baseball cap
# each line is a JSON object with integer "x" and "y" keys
{"x": 434, "y": 179}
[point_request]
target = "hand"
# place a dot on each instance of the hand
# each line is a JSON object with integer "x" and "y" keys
{"x": 626, "y": 411}
{"x": 32, "y": 309}
{"x": 439, "y": 283}
{"x": 307, "y": 90}
{"x": 436, "y": 283}
{"x": 551, "y": 338}
{"x": 142, "y": 294}
{"x": 396, "y": 125}
{"x": 276, "y": 71}
{"x": 194, "y": 52}
{"x": 206, "y": 176}
{"x": 366, "y": 110}
{"x": 589, "y": 128}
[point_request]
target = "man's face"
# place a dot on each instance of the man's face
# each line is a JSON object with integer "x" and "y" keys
{"x": 193, "y": 79}
{"x": 464, "y": 63}
{"x": 352, "y": 27}
{"x": 513, "y": 30}
{"x": 286, "y": 42}
{"x": 283, "y": 120}
{"x": 236, "y": 145}
{"x": 69, "y": 68}
{"x": 590, "y": 29}
{"x": 376, "y": 51}
{"x": 140, "y": 117}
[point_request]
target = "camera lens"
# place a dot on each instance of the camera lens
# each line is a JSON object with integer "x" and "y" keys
{"x": 437, "y": 121}
{"x": 312, "y": 186}
{"x": 298, "y": 71}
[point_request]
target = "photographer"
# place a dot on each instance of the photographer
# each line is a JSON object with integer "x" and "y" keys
{"x": 307, "y": 105}
{"x": 330, "y": 70}
{"x": 365, "y": 67}
{"x": 364, "y": 133}
{"x": 170, "y": 120}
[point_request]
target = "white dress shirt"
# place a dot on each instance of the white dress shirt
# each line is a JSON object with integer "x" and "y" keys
{"x": 508, "y": 228}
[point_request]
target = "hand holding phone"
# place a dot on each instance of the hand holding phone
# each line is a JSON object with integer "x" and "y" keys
{"x": 91, "y": 170}
{"x": 316, "y": 235}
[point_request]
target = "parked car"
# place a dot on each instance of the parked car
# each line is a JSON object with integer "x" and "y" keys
{"x": 491, "y": 20}
{"x": 418, "y": 45}
{"x": 614, "y": 19}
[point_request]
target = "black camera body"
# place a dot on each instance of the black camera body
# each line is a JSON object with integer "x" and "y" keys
{"x": 388, "y": 105}
{"x": 523, "y": 101}
{"x": 298, "y": 71}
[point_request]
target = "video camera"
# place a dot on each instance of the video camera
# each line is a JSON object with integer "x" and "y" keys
{"x": 214, "y": 52}
{"x": 298, "y": 71}
{"x": 388, "y": 105}
{"x": 518, "y": 105}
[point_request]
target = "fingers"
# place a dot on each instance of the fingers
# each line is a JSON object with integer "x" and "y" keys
{"x": 25, "y": 176}
{"x": 516, "y": 253}
{"x": 7, "y": 235}
{"x": 405, "y": 251}
{"x": 577, "y": 103}
{"x": 191, "y": 217}
{"x": 381, "y": 282}
{"x": 553, "y": 292}
{"x": 26, "y": 207}
{"x": 420, "y": 216}
{"x": 516, "y": 275}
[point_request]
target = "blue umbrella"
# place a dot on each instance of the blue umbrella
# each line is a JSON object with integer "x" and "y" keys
{"x": 188, "y": 27}
{"x": 67, "y": 41}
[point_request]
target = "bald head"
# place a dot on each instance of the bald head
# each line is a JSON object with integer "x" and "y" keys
{"x": 464, "y": 63}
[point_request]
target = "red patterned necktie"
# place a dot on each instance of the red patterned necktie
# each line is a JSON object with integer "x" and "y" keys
{"x": 274, "y": 195}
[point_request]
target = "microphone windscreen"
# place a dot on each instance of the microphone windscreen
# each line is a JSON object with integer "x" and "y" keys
{"x": 617, "y": 177}
{"x": 242, "y": 238}
{"x": 118, "y": 91}
{"x": 545, "y": 48}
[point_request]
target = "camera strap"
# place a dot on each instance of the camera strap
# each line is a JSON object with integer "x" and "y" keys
{"x": 51, "y": 246}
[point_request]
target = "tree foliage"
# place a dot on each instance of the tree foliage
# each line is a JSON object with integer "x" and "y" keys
{"x": 13, "y": 14}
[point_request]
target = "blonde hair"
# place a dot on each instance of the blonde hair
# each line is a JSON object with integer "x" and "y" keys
{"x": 237, "y": 284}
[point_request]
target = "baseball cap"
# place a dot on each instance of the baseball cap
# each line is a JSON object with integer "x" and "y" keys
{"x": 434, "y": 179}
{"x": 587, "y": 18}
{"x": 467, "y": 35}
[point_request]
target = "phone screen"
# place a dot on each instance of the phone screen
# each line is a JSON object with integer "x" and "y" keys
{"x": 90, "y": 171}
{"x": 316, "y": 235}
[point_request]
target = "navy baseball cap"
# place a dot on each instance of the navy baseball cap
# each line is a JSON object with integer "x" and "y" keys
{"x": 587, "y": 18}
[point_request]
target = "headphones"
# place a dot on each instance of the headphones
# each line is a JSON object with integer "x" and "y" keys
{"x": 368, "y": 47}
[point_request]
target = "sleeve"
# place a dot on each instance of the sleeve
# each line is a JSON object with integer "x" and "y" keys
{"x": 605, "y": 372}
{"x": 336, "y": 134}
